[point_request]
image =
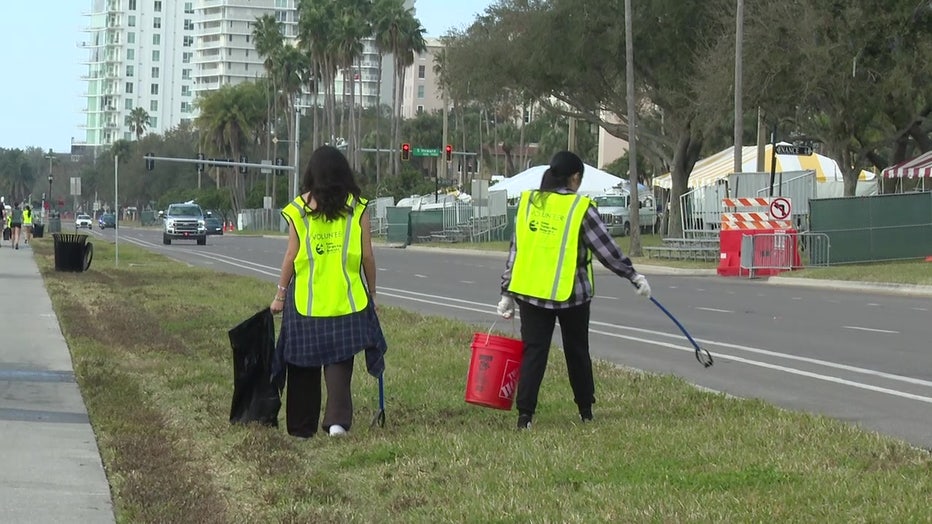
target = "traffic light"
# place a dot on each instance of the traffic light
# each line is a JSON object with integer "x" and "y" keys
{"x": 243, "y": 160}
{"x": 406, "y": 151}
{"x": 449, "y": 153}
{"x": 150, "y": 163}
{"x": 200, "y": 165}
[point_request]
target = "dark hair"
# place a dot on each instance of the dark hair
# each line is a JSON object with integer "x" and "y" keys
{"x": 330, "y": 181}
{"x": 563, "y": 165}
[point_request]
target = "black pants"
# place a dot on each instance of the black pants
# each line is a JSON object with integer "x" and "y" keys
{"x": 537, "y": 332}
{"x": 302, "y": 409}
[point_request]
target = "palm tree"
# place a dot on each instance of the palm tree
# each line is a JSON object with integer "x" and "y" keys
{"x": 226, "y": 119}
{"x": 138, "y": 121}
{"x": 290, "y": 71}
{"x": 351, "y": 26}
{"x": 315, "y": 38}
{"x": 381, "y": 18}
{"x": 267, "y": 35}
{"x": 405, "y": 37}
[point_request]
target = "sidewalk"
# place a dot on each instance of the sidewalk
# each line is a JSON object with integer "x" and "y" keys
{"x": 50, "y": 467}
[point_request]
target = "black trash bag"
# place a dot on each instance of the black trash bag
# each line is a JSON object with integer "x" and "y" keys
{"x": 256, "y": 397}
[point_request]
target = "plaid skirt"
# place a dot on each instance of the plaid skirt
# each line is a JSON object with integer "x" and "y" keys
{"x": 319, "y": 341}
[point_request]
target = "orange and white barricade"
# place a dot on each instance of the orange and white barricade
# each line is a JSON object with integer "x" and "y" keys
{"x": 770, "y": 219}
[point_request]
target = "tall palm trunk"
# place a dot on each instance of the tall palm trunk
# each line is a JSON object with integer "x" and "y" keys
{"x": 378, "y": 126}
{"x": 396, "y": 160}
{"x": 399, "y": 102}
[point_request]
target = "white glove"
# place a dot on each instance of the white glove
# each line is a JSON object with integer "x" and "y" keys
{"x": 640, "y": 282}
{"x": 506, "y": 307}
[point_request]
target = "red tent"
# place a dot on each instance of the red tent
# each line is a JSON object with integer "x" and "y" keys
{"x": 919, "y": 167}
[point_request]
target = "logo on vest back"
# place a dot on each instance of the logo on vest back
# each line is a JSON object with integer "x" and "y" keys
{"x": 541, "y": 226}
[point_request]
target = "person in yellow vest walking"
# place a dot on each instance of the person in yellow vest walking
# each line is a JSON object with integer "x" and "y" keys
{"x": 549, "y": 274}
{"x": 27, "y": 223}
{"x": 326, "y": 291}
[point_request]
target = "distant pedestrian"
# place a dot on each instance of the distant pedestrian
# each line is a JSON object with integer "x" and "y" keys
{"x": 16, "y": 225}
{"x": 549, "y": 273}
{"x": 326, "y": 290}
{"x": 27, "y": 223}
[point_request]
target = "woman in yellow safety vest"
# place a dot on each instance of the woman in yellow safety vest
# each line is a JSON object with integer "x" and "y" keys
{"x": 549, "y": 274}
{"x": 27, "y": 223}
{"x": 326, "y": 290}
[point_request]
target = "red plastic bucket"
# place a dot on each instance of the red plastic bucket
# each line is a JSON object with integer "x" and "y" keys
{"x": 493, "y": 371}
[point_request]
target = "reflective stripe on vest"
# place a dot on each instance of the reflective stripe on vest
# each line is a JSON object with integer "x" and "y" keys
{"x": 547, "y": 241}
{"x": 327, "y": 285}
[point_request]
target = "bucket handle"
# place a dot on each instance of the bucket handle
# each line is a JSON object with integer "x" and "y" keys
{"x": 488, "y": 334}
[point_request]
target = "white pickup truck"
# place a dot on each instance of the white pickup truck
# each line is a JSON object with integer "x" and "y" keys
{"x": 184, "y": 222}
{"x": 616, "y": 213}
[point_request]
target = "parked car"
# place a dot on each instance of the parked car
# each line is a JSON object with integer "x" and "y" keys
{"x": 213, "y": 224}
{"x": 83, "y": 221}
{"x": 106, "y": 220}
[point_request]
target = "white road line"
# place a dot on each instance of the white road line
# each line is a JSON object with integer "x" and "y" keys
{"x": 609, "y": 298}
{"x": 834, "y": 365}
{"x": 920, "y": 309}
{"x": 489, "y": 309}
{"x": 420, "y": 276}
{"x": 872, "y": 304}
{"x": 715, "y": 310}
{"x": 470, "y": 282}
{"x": 796, "y": 298}
{"x": 872, "y": 330}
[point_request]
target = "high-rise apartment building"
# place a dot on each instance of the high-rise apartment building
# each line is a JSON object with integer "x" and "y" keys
{"x": 224, "y": 47}
{"x": 161, "y": 54}
{"x": 140, "y": 54}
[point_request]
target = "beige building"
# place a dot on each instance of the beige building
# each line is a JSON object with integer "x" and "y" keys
{"x": 611, "y": 148}
{"x": 421, "y": 88}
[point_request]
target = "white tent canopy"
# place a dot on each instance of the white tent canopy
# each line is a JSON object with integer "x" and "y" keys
{"x": 721, "y": 164}
{"x": 594, "y": 181}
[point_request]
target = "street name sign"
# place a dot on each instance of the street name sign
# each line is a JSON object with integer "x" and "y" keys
{"x": 787, "y": 149}
{"x": 422, "y": 151}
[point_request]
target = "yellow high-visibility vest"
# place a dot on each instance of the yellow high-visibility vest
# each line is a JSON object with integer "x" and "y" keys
{"x": 27, "y": 217}
{"x": 328, "y": 266}
{"x": 547, "y": 240}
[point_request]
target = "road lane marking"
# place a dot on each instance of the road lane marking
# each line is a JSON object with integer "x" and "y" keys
{"x": 468, "y": 282}
{"x": 872, "y": 330}
{"x": 420, "y": 276}
{"x": 747, "y": 349}
{"x": 920, "y": 309}
{"x": 792, "y": 371}
{"x": 712, "y": 309}
{"x": 489, "y": 309}
{"x": 872, "y": 304}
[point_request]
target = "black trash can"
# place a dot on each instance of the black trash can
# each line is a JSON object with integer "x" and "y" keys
{"x": 72, "y": 252}
{"x": 38, "y": 229}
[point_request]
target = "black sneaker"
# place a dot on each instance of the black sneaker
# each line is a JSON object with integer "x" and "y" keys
{"x": 524, "y": 421}
{"x": 585, "y": 415}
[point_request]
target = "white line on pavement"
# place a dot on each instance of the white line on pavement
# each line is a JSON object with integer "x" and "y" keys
{"x": 715, "y": 310}
{"x": 872, "y": 330}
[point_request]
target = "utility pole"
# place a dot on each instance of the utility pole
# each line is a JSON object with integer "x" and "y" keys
{"x": 634, "y": 203}
{"x": 739, "y": 119}
{"x": 444, "y": 165}
{"x": 116, "y": 209}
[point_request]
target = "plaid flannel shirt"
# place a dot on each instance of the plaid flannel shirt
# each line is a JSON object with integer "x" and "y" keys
{"x": 594, "y": 238}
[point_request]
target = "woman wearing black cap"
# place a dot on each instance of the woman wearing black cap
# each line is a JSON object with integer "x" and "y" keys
{"x": 549, "y": 275}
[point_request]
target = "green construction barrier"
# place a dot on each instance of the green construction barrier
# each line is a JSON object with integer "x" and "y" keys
{"x": 399, "y": 225}
{"x": 874, "y": 228}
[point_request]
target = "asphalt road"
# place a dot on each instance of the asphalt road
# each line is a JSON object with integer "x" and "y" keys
{"x": 861, "y": 357}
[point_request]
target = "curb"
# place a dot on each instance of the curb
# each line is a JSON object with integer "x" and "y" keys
{"x": 873, "y": 287}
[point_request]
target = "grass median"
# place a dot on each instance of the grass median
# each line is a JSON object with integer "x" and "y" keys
{"x": 152, "y": 357}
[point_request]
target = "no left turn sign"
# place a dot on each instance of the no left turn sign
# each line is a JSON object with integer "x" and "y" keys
{"x": 780, "y": 208}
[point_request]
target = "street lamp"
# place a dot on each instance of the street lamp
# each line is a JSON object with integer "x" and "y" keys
{"x": 50, "y": 156}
